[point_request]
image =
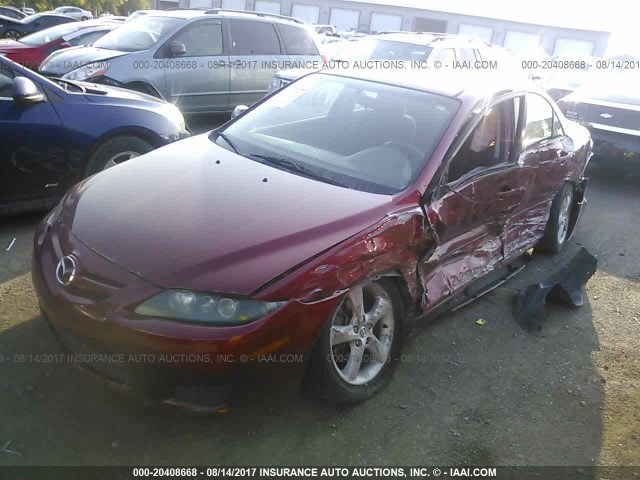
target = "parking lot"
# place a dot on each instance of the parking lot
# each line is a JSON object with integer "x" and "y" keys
{"x": 464, "y": 392}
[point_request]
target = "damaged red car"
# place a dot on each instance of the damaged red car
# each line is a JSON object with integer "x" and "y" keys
{"x": 303, "y": 239}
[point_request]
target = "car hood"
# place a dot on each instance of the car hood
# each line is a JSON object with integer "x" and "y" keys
{"x": 194, "y": 215}
{"x": 109, "y": 95}
{"x": 8, "y": 46}
{"x": 64, "y": 61}
{"x": 294, "y": 73}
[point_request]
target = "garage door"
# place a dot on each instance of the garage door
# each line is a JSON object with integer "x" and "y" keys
{"x": 234, "y": 4}
{"x": 200, "y": 3}
{"x": 521, "y": 41}
{"x": 567, "y": 47}
{"x": 381, "y": 22}
{"x": 267, "y": 6}
{"x": 476, "y": 31}
{"x": 345, "y": 20}
{"x": 308, "y": 13}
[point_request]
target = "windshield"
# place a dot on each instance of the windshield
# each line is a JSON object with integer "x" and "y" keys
{"x": 138, "y": 34}
{"x": 50, "y": 34}
{"x": 355, "y": 133}
{"x": 376, "y": 49}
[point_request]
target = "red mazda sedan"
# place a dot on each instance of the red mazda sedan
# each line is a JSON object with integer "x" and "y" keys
{"x": 305, "y": 237}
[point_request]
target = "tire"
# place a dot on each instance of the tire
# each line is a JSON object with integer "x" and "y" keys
{"x": 84, "y": 18}
{"x": 116, "y": 150}
{"x": 557, "y": 231}
{"x": 329, "y": 374}
{"x": 13, "y": 34}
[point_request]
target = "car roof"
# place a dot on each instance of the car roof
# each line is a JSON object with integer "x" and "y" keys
{"x": 466, "y": 83}
{"x": 191, "y": 13}
{"x": 427, "y": 38}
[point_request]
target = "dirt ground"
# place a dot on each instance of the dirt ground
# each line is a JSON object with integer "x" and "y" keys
{"x": 464, "y": 394}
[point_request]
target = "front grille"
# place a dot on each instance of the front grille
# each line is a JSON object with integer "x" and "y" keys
{"x": 93, "y": 287}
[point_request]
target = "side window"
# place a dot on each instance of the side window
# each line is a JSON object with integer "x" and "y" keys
{"x": 87, "y": 38}
{"x": 538, "y": 121}
{"x": 6, "y": 82}
{"x": 253, "y": 38}
{"x": 201, "y": 39}
{"x": 467, "y": 55}
{"x": 297, "y": 41}
{"x": 447, "y": 56}
{"x": 488, "y": 144}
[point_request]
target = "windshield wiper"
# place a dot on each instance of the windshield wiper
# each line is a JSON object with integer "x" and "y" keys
{"x": 229, "y": 142}
{"x": 290, "y": 166}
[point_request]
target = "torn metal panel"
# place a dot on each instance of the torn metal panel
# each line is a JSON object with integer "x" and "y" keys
{"x": 565, "y": 287}
{"x": 391, "y": 247}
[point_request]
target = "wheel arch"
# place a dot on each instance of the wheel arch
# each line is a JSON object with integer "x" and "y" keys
{"x": 142, "y": 133}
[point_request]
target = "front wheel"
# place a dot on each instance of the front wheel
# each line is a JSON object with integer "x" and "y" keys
{"x": 557, "y": 230}
{"x": 359, "y": 346}
{"x": 115, "y": 151}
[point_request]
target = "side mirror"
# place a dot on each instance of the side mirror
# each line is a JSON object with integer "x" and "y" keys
{"x": 239, "y": 110}
{"x": 176, "y": 49}
{"x": 25, "y": 92}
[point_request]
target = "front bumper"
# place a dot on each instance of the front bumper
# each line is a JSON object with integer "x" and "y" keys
{"x": 161, "y": 361}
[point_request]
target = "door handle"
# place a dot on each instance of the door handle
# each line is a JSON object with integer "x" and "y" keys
{"x": 505, "y": 189}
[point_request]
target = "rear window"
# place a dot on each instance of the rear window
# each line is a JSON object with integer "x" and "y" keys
{"x": 297, "y": 41}
{"x": 253, "y": 38}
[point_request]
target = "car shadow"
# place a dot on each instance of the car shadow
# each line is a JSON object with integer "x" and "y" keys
{"x": 463, "y": 393}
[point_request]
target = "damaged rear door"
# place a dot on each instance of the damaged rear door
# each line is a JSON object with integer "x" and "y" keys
{"x": 482, "y": 188}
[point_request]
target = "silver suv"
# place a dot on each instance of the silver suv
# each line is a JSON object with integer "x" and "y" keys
{"x": 202, "y": 61}
{"x": 411, "y": 46}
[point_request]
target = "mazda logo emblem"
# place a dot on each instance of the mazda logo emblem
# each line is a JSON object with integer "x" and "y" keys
{"x": 606, "y": 115}
{"x": 66, "y": 270}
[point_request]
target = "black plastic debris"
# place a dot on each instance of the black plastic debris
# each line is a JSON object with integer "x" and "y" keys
{"x": 564, "y": 287}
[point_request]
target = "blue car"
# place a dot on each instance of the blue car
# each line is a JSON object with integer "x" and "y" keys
{"x": 53, "y": 134}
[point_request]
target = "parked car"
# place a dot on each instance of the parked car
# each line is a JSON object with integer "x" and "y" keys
{"x": 410, "y": 46}
{"x": 75, "y": 12}
{"x": 31, "y": 50}
{"x": 27, "y": 10}
{"x": 140, "y": 13}
{"x": 325, "y": 29}
{"x": 183, "y": 57}
{"x": 310, "y": 234}
{"x": 32, "y": 24}
{"x": 54, "y": 134}
{"x": 609, "y": 106}
{"x": 11, "y": 12}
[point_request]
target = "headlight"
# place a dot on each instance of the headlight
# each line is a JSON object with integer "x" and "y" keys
{"x": 205, "y": 308}
{"x": 85, "y": 72}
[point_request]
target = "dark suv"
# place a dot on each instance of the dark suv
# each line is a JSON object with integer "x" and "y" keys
{"x": 203, "y": 61}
